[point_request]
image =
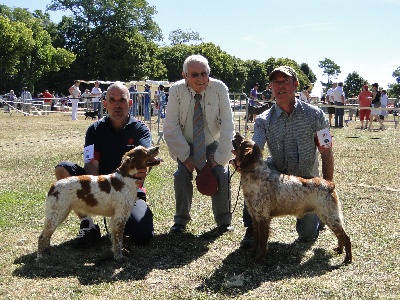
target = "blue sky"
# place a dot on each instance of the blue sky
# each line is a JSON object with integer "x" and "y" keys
{"x": 361, "y": 36}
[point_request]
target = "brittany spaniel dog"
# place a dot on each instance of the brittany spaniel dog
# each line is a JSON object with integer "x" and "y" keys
{"x": 112, "y": 195}
{"x": 270, "y": 194}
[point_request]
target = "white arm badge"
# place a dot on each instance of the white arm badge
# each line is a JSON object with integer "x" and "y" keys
{"x": 88, "y": 153}
{"x": 324, "y": 139}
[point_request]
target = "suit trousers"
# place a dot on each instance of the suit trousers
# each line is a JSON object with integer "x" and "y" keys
{"x": 221, "y": 200}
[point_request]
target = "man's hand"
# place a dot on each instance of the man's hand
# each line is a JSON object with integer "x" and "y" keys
{"x": 212, "y": 162}
{"x": 189, "y": 163}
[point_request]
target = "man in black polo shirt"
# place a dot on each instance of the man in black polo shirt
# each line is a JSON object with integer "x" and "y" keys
{"x": 106, "y": 141}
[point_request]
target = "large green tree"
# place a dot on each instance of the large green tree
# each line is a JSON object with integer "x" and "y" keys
{"x": 353, "y": 85}
{"x": 223, "y": 66}
{"x": 395, "y": 87}
{"x": 305, "y": 68}
{"x": 179, "y": 36}
{"x": 331, "y": 69}
{"x": 113, "y": 40}
{"x": 27, "y": 53}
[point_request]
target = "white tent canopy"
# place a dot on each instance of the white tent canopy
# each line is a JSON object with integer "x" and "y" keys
{"x": 154, "y": 84}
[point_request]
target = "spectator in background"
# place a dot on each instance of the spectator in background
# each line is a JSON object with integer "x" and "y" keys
{"x": 147, "y": 102}
{"x": 339, "y": 98}
{"x": 161, "y": 101}
{"x": 305, "y": 94}
{"x": 96, "y": 94}
{"x": 376, "y": 104}
{"x": 26, "y": 96}
{"x": 364, "y": 100}
{"x": 330, "y": 101}
{"x": 134, "y": 98}
{"x": 253, "y": 101}
{"x": 48, "y": 100}
{"x": 384, "y": 104}
{"x": 12, "y": 98}
{"x": 267, "y": 93}
{"x": 75, "y": 94}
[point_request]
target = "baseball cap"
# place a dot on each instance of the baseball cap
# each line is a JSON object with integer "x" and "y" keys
{"x": 284, "y": 69}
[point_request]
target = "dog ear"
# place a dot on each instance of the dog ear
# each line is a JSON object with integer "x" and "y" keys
{"x": 246, "y": 157}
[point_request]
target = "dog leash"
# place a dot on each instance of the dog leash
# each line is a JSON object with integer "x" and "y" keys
{"x": 229, "y": 182}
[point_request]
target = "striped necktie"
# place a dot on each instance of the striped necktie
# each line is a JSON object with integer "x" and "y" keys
{"x": 199, "y": 146}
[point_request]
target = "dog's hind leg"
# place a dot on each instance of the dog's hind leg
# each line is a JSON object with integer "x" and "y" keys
{"x": 117, "y": 236}
{"x": 332, "y": 217}
{"x": 343, "y": 241}
{"x": 54, "y": 217}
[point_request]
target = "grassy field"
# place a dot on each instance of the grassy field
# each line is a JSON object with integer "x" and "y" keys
{"x": 201, "y": 264}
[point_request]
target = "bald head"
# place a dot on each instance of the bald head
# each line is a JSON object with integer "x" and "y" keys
{"x": 118, "y": 86}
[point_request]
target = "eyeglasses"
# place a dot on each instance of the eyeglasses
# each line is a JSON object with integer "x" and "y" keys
{"x": 195, "y": 75}
{"x": 286, "y": 81}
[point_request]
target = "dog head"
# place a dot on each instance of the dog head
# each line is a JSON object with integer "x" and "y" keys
{"x": 247, "y": 153}
{"x": 139, "y": 158}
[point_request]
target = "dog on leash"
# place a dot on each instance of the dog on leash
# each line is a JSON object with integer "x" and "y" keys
{"x": 112, "y": 195}
{"x": 91, "y": 114}
{"x": 257, "y": 110}
{"x": 268, "y": 194}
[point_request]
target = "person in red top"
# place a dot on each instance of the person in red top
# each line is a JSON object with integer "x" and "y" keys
{"x": 47, "y": 99}
{"x": 364, "y": 101}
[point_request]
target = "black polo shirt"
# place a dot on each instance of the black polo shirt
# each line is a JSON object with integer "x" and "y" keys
{"x": 110, "y": 145}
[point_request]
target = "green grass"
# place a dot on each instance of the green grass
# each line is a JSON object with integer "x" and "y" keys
{"x": 199, "y": 264}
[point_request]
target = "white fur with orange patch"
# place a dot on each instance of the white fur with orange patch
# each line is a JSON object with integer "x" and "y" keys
{"x": 112, "y": 195}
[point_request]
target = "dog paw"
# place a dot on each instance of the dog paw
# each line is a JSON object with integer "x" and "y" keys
{"x": 338, "y": 250}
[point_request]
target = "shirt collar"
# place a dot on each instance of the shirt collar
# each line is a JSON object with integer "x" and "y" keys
{"x": 298, "y": 108}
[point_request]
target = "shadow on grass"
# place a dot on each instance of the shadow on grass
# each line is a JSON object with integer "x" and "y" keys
{"x": 96, "y": 265}
{"x": 283, "y": 261}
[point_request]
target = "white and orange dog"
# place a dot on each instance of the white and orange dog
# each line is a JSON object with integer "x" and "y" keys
{"x": 112, "y": 195}
{"x": 270, "y": 194}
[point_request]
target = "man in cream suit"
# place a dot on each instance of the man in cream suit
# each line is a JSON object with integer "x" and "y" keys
{"x": 218, "y": 132}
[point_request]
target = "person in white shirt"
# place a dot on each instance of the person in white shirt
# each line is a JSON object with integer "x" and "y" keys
{"x": 384, "y": 104}
{"x": 96, "y": 92}
{"x": 330, "y": 101}
{"x": 75, "y": 93}
{"x": 338, "y": 97}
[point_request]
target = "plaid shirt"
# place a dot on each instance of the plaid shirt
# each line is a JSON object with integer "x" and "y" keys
{"x": 291, "y": 138}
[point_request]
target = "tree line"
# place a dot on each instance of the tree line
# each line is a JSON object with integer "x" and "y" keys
{"x": 119, "y": 40}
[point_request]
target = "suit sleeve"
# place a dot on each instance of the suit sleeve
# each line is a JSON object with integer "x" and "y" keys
{"x": 177, "y": 145}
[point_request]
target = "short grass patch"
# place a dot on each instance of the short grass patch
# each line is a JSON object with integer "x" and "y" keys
{"x": 200, "y": 264}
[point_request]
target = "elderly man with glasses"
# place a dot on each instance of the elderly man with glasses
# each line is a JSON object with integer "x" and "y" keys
{"x": 199, "y": 97}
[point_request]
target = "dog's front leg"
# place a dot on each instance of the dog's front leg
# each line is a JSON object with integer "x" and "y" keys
{"x": 256, "y": 236}
{"x": 117, "y": 236}
{"x": 263, "y": 236}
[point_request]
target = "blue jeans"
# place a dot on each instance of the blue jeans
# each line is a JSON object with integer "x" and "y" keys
{"x": 96, "y": 106}
{"x": 146, "y": 111}
{"x": 339, "y": 113}
{"x": 221, "y": 200}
